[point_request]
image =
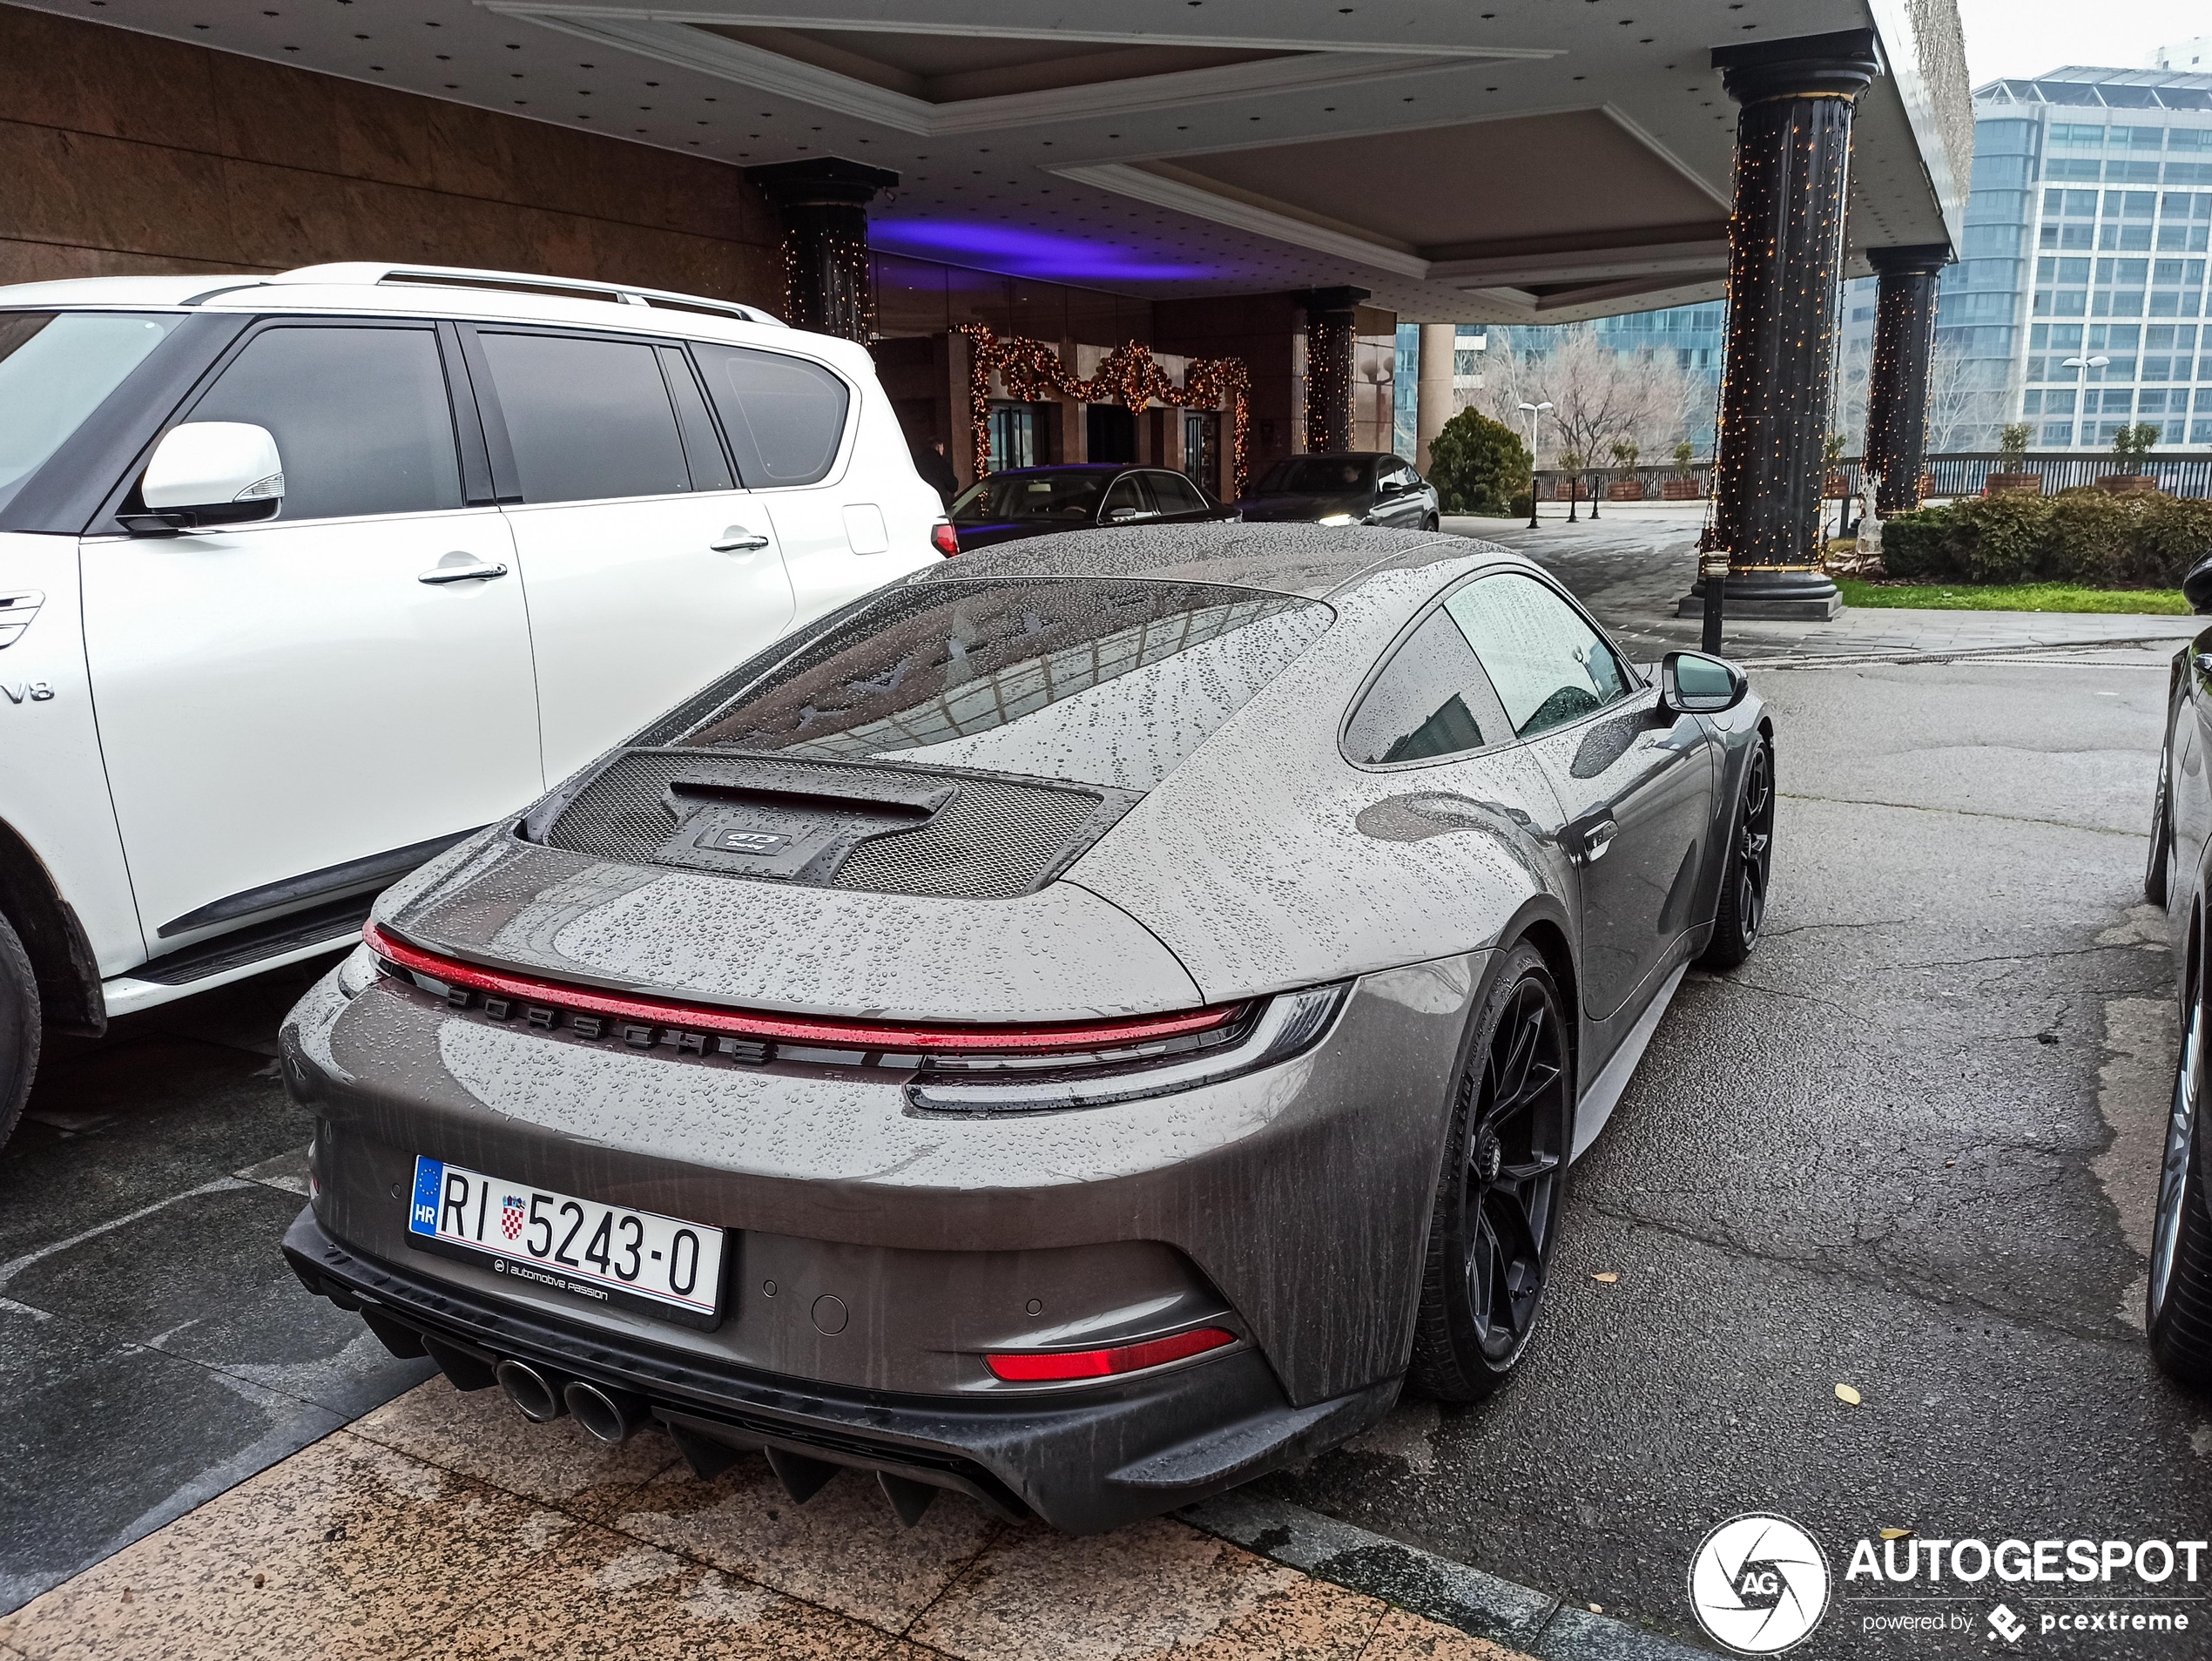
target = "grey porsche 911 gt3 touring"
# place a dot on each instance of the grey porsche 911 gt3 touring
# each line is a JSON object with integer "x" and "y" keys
{"x": 1082, "y": 1026}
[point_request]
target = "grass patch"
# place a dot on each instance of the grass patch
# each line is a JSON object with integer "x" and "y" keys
{"x": 2013, "y": 597}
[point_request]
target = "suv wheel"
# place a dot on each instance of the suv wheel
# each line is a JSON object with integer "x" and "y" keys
{"x": 18, "y": 1028}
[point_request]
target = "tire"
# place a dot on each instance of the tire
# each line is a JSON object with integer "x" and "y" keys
{"x": 1435, "y": 521}
{"x": 1502, "y": 1187}
{"x": 19, "y": 1029}
{"x": 2162, "y": 829}
{"x": 2178, "y": 1312}
{"x": 1751, "y": 866}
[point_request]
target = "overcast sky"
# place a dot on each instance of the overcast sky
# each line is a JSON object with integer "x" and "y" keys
{"x": 2010, "y": 39}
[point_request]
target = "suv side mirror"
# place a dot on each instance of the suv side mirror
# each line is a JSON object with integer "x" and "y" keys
{"x": 2197, "y": 587}
{"x": 210, "y": 473}
{"x": 1692, "y": 684}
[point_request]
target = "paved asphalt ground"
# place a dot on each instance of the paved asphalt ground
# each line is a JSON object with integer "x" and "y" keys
{"x": 1909, "y": 1147}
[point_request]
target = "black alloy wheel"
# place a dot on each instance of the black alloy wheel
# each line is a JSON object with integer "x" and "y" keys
{"x": 2179, "y": 1308}
{"x": 1502, "y": 1187}
{"x": 1750, "y": 865}
{"x": 1435, "y": 521}
{"x": 2157, "y": 857}
{"x": 19, "y": 1028}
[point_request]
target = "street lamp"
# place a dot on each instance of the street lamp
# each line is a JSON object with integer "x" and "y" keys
{"x": 2082, "y": 366}
{"x": 1531, "y": 410}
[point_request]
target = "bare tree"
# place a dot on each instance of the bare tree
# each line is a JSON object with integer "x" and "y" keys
{"x": 1958, "y": 402}
{"x": 1600, "y": 396}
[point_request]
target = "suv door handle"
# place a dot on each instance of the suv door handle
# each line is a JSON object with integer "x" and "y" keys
{"x": 440, "y": 575}
{"x": 737, "y": 539}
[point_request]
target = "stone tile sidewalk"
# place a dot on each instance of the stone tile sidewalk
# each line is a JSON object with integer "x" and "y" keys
{"x": 442, "y": 1525}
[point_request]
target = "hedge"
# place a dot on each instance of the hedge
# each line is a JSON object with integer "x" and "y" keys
{"x": 2086, "y": 536}
{"x": 1477, "y": 464}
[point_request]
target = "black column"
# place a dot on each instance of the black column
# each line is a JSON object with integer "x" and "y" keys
{"x": 1897, "y": 387}
{"x": 1331, "y": 337}
{"x": 825, "y": 209}
{"x": 1785, "y": 243}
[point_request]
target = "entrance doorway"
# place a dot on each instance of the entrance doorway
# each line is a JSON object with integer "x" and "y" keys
{"x": 1111, "y": 432}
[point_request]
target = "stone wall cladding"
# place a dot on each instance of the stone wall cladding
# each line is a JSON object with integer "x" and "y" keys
{"x": 128, "y": 154}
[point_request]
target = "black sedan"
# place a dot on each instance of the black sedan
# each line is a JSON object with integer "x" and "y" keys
{"x": 1082, "y": 496}
{"x": 1354, "y": 488}
{"x": 2178, "y": 877}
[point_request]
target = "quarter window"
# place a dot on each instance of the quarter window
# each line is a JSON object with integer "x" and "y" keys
{"x": 1430, "y": 700}
{"x": 586, "y": 418}
{"x": 784, "y": 415}
{"x": 1175, "y": 494}
{"x": 359, "y": 415}
{"x": 1549, "y": 666}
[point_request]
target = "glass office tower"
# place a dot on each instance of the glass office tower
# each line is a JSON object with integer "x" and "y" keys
{"x": 2086, "y": 237}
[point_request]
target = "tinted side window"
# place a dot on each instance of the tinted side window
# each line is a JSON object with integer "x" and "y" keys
{"x": 586, "y": 418}
{"x": 1175, "y": 494}
{"x": 1126, "y": 493}
{"x": 1548, "y": 665}
{"x": 784, "y": 416}
{"x": 1430, "y": 701}
{"x": 359, "y": 415}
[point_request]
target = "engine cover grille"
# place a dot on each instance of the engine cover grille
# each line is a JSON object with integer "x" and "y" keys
{"x": 992, "y": 838}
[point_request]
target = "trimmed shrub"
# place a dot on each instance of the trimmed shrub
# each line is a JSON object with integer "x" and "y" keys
{"x": 2086, "y": 536}
{"x": 1912, "y": 545}
{"x": 1524, "y": 504}
{"x": 1477, "y": 464}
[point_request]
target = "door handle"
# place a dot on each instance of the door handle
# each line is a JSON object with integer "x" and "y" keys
{"x": 1597, "y": 839}
{"x": 737, "y": 539}
{"x": 437, "y": 576}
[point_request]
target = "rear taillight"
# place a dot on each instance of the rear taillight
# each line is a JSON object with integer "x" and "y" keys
{"x": 1032, "y": 1368}
{"x": 944, "y": 539}
{"x": 551, "y": 1004}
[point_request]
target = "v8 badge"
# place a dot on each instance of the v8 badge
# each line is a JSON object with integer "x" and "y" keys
{"x": 36, "y": 691}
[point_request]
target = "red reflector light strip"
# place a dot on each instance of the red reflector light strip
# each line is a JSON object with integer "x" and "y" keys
{"x": 1043, "y": 1039}
{"x": 1031, "y": 1369}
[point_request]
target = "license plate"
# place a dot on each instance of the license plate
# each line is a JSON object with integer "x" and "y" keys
{"x": 608, "y": 1254}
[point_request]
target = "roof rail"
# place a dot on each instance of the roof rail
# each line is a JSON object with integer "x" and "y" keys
{"x": 368, "y": 272}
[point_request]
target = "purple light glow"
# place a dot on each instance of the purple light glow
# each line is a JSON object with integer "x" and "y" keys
{"x": 1023, "y": 254}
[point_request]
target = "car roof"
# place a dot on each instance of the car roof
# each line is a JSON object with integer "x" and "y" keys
{"x": 437, "y": 291}
{"x": 1310, "y": 561}
{"x": 1075, "y": 467}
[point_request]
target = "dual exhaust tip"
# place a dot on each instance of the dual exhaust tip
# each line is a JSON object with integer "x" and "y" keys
{"x": 608, "y": 1415}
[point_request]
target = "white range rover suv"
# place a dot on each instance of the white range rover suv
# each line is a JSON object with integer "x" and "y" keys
{"x": 303, "y": 577}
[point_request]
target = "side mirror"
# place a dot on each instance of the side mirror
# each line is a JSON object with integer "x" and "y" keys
{"x": 210, "y": 473}
{"x": 1692, "y": 684}
{"x": 2197, "y": 587}
{"x": 1125, "y": 516}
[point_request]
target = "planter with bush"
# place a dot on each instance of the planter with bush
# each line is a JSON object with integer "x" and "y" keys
{"x": 2095, "y": 538}
{"x": 2129, "y": 446}
{"x": 1478, "y": 465}
{"x": 2013, "y": 478}
{"x": 1683, "y": 486}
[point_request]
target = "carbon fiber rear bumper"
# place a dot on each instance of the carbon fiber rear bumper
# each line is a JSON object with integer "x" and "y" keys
{"x": 1127, "y": 1449}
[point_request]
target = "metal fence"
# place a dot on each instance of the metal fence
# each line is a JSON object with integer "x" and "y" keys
{"x": 1962, "y": 473}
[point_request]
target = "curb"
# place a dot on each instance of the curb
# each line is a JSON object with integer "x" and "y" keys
{"x": 1426, "y": 1583}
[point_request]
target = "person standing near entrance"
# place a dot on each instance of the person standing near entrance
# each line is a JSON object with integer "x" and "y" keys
{"x": 936, "y": 469}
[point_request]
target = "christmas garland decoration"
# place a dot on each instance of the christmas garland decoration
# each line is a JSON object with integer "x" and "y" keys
{"x": 1032, "y": 371}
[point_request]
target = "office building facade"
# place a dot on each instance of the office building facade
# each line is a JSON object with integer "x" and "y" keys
{"x": 2086, "y": 238}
